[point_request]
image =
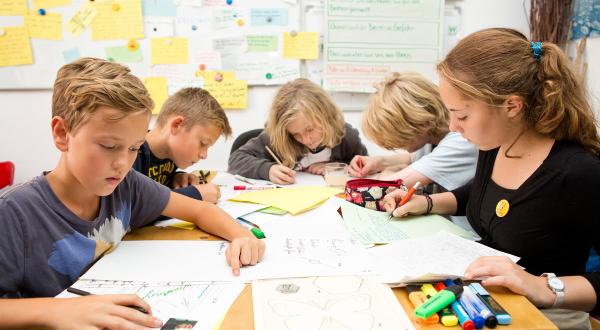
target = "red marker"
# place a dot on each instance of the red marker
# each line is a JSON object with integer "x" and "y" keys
{"x": 253, "y": 187}
{"x": 410, "y": 193}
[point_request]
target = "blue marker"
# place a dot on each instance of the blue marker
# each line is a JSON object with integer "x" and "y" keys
{"x": 472, "y": 312}
{"x": 486, "y": 313}
{"x": 463, "y": 317}
{"x": 501, "y": 314}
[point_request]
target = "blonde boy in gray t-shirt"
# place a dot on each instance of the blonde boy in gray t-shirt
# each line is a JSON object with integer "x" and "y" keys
{"x": 56, "y": 225}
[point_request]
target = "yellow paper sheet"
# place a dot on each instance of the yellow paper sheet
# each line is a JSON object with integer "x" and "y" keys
{"x": 304, "y": 45}
{"x": 118, "y": 19}
{"x": 82, "y": 19}
{"x": 294, "y": 200}
{"x": 210, "y": 75}
{"x": 49, "y": 3}
{"x": 159, "y": 91}
{"x": 231, "y": 94}
{"x": 13, "y": 7}
{"x": 15, "y": 47}
{"x": 47, "y": 26}
{"x": 170, "y": 50}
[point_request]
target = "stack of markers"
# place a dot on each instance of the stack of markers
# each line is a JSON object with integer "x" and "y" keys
{"x": 451, "y": 303}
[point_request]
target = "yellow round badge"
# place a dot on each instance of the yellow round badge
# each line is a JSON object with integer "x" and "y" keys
{"x": 502, "y": 208}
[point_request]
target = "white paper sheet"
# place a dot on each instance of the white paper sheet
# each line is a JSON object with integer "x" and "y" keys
{"x": 154, "y": 261}
{"x": 206, "y": 302}
{"x": 430, "y": 258}
{"x": 347, "y": 302}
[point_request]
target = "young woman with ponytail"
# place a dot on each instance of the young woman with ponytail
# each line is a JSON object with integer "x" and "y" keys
{"x": 535, "y": 191}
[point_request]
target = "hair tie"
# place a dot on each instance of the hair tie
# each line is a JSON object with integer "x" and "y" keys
{"x": 536, "y": 48}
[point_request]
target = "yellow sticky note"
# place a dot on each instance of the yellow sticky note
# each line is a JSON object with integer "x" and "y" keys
{"x": 231, "y": 94}
{"x": 159, "y": 91}
{"x": 49, "y": 3}
{"x": 82, "y": 19}
{"x": 13, "y": 7}
{"x": 15, "y": 47}
{"x": 47, "y": 26}
{"x": 301, "y": 45}
{"x": 169, "y": 50}
{"x": 294, "y": 200}
{"x": 212, "y": 75}
{"x": 118, "y": 19}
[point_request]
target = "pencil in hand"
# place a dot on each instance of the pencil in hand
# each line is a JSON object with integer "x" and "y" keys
{"x": 273, "y": 155}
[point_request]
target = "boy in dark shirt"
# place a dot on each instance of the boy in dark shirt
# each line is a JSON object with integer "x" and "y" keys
{"x": 188, "y": 124}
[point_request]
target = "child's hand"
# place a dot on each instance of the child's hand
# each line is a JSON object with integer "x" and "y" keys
{"x": 415, "y": 206}
{"x": 244, "y": 251}
{"x": 317, "y": 168}
{"x": 100, "y": 312}
{"x": 361, "y": 166}
{"x": 210, "y": 192}
{"x": 281, "y": 174}
{"x": 181, "y": 180}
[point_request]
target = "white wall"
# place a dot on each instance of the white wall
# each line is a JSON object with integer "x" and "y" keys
{"x": 25, "y": 115}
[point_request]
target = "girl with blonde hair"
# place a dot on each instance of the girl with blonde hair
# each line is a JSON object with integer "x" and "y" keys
{"x": 535, "y": 191}
{"x": 407, "y": 112}
{"x": 305, "y": 130}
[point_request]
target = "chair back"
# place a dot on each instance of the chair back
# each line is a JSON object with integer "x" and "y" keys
{"x": 7, "y": 174}
{"x": 244, "y": 137}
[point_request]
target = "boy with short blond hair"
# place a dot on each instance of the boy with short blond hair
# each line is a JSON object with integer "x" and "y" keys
{"x": 189, "y": 122}
{"x": 53, "y": 227}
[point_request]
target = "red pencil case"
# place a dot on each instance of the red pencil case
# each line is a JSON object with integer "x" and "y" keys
{"x": 369, "y": 193}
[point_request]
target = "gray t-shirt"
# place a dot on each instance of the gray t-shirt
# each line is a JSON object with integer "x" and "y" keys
{"x": 44, "y": 247}
{"x": 451, "y": 164}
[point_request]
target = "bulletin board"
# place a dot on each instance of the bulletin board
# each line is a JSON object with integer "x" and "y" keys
{"x": 183, "y": 41}
{"x": 225, "y": 46}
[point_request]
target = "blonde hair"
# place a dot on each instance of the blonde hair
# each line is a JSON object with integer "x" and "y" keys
{"x": 492, "y": 64}
{"x": 404, "y": 106}
{"x": 305, "y": 97}
{"x": 196, "y": 106}
{"x": 88, "y": 83}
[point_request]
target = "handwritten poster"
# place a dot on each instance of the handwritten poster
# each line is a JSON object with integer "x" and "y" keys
{"x": 48, "y": 26}
{"x": 118, "y": 20}
{"x": 365, "y": 41}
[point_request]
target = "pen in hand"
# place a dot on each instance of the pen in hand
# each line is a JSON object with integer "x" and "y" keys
{"x": 408, "y": 196}
{"x": 80, "y": 292}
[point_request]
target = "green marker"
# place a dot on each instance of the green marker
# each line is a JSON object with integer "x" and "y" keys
{"x": 436, "y": 303}
{"x": 257, "y": 232}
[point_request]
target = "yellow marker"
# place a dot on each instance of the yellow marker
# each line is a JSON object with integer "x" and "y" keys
{"x": 502, "y": 208}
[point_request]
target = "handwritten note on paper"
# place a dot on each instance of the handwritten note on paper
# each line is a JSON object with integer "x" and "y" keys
{"x": 193, "y": 300}
{"x": 47, "y": 26}
{"x": 123, "y": 54}
{"x": 344, "y": 302}
{"x": 231, "y": 94}
{"x": 82, "y": 19}
{"x": 364, "y": 41}
{"x": 49, "y": 3}
{"x": 15, "y": 47}
{"x": 156, "y": 27}
{"x": 169, "y": 50}
{"x": 374, "y": 227}
{"x": 210, "y": 60}
{"x": 118, "y": 20}
{"x": 269, "y": 17}
{"x": 285, "y": 257}
{"x": 262, "y": 43}
{"x": 13, "y": 7}
{"x": 158, "y": 89}
{"x": 159, "y": 8}
{"x": 301, "y": 45}
{"x": 266, "y": 70}
{"x": 430, "y": 258}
